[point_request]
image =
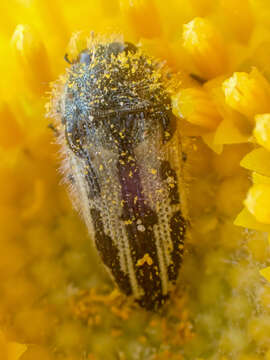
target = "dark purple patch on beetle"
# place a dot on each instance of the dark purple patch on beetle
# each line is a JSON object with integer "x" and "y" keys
{"x": 140, "y": 219}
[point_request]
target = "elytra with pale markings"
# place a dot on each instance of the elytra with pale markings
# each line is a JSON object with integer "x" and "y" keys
{"x": 121, "y": 148}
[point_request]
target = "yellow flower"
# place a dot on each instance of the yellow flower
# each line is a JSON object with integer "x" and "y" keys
{"x": 55, "y": 295}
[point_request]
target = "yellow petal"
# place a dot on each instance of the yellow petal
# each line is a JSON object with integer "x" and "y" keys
{"x": 10, "y": 350}
{"x": 203, "y": 7}
{"x": 143, "y": 16}
{"x": 257, "y": 160}
{"x": 38, "y": 198}
{"x": 11, "y": 133}
{"x": 209, "y": 139}
{"x": 258, "y": 202}
{"x": 238, "y": 18}
{"x": 260, "y": 179}
{"x": 228, "y": 133}
{"x": 261, "y": 54}
{"x": 32, "y": 57}
{"x": 262, "y": 130}
{"x": 266, "y": 273}
{"x": 247, "y": 220}
{"x": 15, "y": 350}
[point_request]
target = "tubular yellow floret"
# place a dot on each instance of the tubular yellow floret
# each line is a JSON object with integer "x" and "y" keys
{"x": 248, "y": 93}
{"x": 196, "y": 106}
{"x": 262, "y": 130}
{"x": 32, "y": 56}
{"x": 257, "y": 202}
{"x": 206, "y": 47}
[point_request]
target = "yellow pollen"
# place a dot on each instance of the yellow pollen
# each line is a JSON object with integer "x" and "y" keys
{"x": 146, "y": 259}
{"x": 128, "y": 222}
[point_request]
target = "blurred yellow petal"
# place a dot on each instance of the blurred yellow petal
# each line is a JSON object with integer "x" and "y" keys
{"x": 51, "y": 20}
{"x": 203, "y": 7}
{"x": 209, "y": 139}
{"x": 32, "y": 56}
{"x": 15, "y": 351}
{"x": 260, "y": 57}
{"x": 10, "y": 350}
{"x": 11, "y": 133}
{"x": 38, "y": 198}
{"x": 111, "y": 7}
{"x": 238, "y": 18}
{"x": 266, "y": 273}
{"x": 144, "y": 17}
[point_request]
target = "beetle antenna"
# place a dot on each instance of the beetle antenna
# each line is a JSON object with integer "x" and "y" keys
{"x": 67, "y": 59}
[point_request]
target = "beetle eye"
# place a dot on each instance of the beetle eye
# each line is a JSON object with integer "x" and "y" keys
{"x": 85, "y": 57}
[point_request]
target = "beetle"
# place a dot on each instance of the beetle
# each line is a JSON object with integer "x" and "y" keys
{"x": 122, "y": 149}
